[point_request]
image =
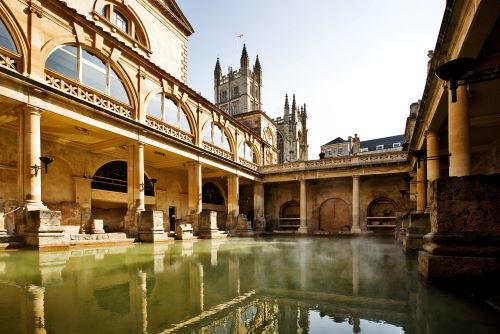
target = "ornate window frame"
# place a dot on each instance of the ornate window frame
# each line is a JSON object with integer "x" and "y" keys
{"x": 136, "y": 34}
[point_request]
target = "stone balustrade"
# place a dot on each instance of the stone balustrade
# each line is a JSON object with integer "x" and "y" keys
{"x": 339, "y": 162}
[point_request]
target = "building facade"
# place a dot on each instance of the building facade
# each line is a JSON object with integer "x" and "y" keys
{"x": 292, "y": 133}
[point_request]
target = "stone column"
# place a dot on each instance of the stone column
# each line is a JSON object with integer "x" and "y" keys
{"x": 143, "y": 301}
{"x": 83, "y": 197}
{"x": 421, "y": 188}
{"x": 194, "y": 193}
{"x": 196, "y": 286}
{"x": 459, "y": 134}
{"x": 433, "y": 164}
{"x": 139, "y": 185}
{"x": 355, "y": 205}
{"x": 258, "y": 207}
{"x": 36, "y": 295}
{"x": 32, "y": 152}
{"x": 303, "y": 207}
{"x": 135, "y": 185}
{"x": 355, "y": 266}
{"x": 233, "y": 196}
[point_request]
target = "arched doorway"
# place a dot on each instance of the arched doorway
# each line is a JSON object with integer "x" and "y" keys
{"x": 289, "y": 215}
{"x": 213, "y": 200}
{"x": 334, "y": 215}
{"x": 381, "y": 211}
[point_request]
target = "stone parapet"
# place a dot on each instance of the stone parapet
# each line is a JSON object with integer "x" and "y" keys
{"x": 464, "y": 243}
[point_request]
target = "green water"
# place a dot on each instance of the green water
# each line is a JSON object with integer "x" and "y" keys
{"x": 236, "y": 286}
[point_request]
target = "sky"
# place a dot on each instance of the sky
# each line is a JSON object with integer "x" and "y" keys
{"x": 357, "y": 64}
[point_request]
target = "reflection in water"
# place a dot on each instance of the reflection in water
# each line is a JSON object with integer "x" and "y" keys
{"x": 235, "y": 286}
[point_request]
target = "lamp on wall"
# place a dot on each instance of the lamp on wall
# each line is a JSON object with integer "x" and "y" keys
{"x": 46, "y": 161}
{"x": 453, "y": 71}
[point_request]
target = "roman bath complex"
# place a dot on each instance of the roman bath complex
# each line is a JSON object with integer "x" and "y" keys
{"x": 102, "y": 141}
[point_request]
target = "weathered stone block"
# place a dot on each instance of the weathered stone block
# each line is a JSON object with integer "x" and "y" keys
{"x": 183, "y": 231}
{"x": 464, "y": 242}
{"x": 151, "y": 226}
{"x": 208, "y": 226}
{"x": 418, "y": 226}
{"x": 43, "y": 229}
{"x": 97, "y": 226}
{"x": 466, "y": 204}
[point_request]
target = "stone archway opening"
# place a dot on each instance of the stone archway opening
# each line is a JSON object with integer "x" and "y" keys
{"x": 289, "y": 216}
{"x": 381, "y": 213}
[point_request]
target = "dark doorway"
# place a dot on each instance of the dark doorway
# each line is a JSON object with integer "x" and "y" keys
{"x": 171, "y": 217}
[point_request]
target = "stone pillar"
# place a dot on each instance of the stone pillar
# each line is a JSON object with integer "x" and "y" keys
{"x": 355, "y": 205}
{"x": 151, "y": 226}
{"x": 208, "y": 225}
{"x": 37, "y": 38}
{"x": 303, "y": 207}
{"x": 421, "y": 188}
{"x": 433, "y": 164}
{"x": 194, "y": 193}
{"x": 139, "y": 185}
{"x": 355, "y": 266}
{"x": 233, "y": 195}
{"x": 32, "y": 152}
{"x": 36, "y": 298}
{"x": 135, "y": 184}
{"x": 234, "y": 276}
{"x": 258, "y": 207}
{"x": 459, "y": 134}
{"x": 143, "y": 301}
{"x": 83, "y": 197}
{"x": 196, "y": 286}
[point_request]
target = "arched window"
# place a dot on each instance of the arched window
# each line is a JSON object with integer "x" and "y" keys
{"x": 211, "y": 194}
{"x": 164, "y": 108}
{"x": 81, "y": 65}
{"x": 213, "y": 134}
{"x": 120, "y": 18}
{"x": 246, "y": 152}
{"x": 113, "y": 177}
{"x": 6, "y": 40}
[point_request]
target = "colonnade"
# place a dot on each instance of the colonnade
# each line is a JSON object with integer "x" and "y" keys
{"x": 458, "y": 148}
{"x": 31, "y": 170}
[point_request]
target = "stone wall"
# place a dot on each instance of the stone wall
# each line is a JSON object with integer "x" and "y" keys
{"x": 466, "y": 204}
{"x": 333, "y": 196}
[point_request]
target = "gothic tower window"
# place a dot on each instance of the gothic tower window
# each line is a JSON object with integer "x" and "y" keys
{"x": 81, "y": 65}
{"x": 169, "y": 111}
